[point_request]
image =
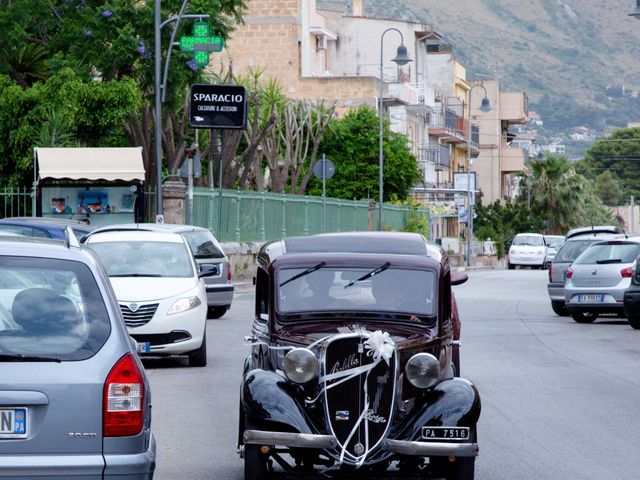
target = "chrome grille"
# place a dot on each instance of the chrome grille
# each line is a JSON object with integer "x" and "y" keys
{"x": 141, "y": 316}
{"x": 345, "y": 402}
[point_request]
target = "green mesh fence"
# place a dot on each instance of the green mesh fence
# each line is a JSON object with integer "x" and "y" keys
{"x": 242, "y": 216}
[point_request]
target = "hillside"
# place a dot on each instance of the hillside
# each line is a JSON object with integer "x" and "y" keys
{"x": 563, "y": 53}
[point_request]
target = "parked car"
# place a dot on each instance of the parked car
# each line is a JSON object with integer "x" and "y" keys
{"x": 74, "y": 397}
{"x": 527, "y": 249}
{"x": 553, "y": 242}
{"x": 597, "y": 279}
{"x": 160, "y": 292}
{"x": 209, "y": 257}
{"x": 351, "y": 361}
{"x": 632, "y": 299}
{"x": 45, "y": 227}
{"x": 593, "y": 230}
{"x": 569, "y": 251}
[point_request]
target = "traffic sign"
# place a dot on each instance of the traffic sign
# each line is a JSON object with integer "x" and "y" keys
{"x": 218, "y": 106}
{"x": 201, "y": 43}
{"x": 324, "y": 169}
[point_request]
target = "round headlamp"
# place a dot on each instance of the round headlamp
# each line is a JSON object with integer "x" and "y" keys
{"x": 300, "y": 365}
{"x": 422, "y": 370}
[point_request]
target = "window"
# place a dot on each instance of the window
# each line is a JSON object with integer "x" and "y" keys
{"x": 203, "y": 244}
{"x": 611, "y": 252}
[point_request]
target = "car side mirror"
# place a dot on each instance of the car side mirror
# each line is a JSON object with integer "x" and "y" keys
{"x": 458, "y": 278}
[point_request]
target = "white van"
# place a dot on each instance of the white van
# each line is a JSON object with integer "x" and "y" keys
{"x": 528, "y": 249}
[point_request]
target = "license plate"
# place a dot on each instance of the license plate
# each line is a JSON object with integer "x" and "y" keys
{"x": 445, "y": 433}
{"x": 144, "y": 347}
{"x": 13, "y": 422}
{"x": 590, "y": 298}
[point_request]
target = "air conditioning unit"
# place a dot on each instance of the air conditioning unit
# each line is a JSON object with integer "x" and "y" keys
{"x": 321, "y": 42}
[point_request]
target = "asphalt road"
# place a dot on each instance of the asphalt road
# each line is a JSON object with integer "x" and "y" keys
{"x": 559, "y": 399}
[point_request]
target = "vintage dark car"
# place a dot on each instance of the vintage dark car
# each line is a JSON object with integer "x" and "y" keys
{"x": 351, "y": 371}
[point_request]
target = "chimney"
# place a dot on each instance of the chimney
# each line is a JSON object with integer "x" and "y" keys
{"x": 358, "y": 10}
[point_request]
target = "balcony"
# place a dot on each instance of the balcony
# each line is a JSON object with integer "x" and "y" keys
{"x": 418, "y": 97}
{"x": 437, "y": 155}
{"x": 512, "y": 159}
{"x": 514, "y": 107}
{"x": 445, "y": 124}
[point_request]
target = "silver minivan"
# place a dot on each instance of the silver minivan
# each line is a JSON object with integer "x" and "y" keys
{"x": 74, "y": 397}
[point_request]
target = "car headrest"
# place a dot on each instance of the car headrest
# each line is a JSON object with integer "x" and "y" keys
{"x": 41, "y": 311}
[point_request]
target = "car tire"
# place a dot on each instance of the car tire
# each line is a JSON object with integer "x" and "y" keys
{"x": 559, "y": 308}
{"x": 217, "y": 311}
{"x": 462, "y": 469}
{"x": 511, "y": 266}
{"x": 198, "y": 358}
{"x": 634, "y": 322}
{"x": 584, "y": 317}
{"x": 545, "y": 266}
{"x": 255, "y": 463}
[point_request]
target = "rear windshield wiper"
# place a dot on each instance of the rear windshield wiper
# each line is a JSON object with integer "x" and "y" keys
{"x": 302, "y": 274}
{"x": 135, "y": 275}
{"x": 18, "y": 357}
{"x": 373, "y": 272}
{"x": 609, "y": 260}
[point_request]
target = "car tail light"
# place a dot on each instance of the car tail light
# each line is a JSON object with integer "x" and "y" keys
{"x": 228, "y": 266}
{"x": 123, "y": 399}
{"x": 569, "y": 273}
{"x": 627, "y": 272}
{"x": 550, "y": 264}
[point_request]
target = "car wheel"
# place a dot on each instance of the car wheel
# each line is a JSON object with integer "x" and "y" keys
{"x": 511, "y": 266}
{"x": 198, "y": 358}
{"x": 545, "y": 266}
{"x": 217, "y": 312}
{"x": 462, "y": 469}
{"x": 634, "y": 322}
{"x": 255, "y": 462}
{"x": 559, "y": 308}
{"x": 584, "y": 317}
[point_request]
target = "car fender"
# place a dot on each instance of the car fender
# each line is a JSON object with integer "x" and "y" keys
{"x": 452, "y": 403}
{"x": 268, "y": 397}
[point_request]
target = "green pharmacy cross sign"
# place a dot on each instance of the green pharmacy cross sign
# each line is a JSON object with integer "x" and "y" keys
{"x": 201, "y": 43}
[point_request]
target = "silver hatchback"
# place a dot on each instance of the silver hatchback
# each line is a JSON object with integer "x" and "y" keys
{"x": 74, "y": 397}
{"x": 598, "y": 278}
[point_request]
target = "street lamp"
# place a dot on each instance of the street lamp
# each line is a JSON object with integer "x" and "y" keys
{"x": 485, "y": 106}
{"x": 401, "y": 59}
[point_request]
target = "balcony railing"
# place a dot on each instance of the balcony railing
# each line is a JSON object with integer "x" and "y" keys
{"x": 437, "y": 155}
{"x": 445, "y": 121}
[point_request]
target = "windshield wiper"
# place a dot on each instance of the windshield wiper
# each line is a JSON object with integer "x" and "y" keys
{"x": 18, "y": 357}
{"x": 302, "y": 274}
{"x": 609, "y": 260}
{"x": 373, "y": 272}
{"x": 135, "y": 275}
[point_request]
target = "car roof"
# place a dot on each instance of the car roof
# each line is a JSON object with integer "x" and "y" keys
{"x": 133, "y": 235}
{"x": 554, "y": 236}
{"x": 529, "y": 233}
{"x": 360, "y": 243}
{"x": 595, "y": 237}
{"x": 160, "y": 227}
{"x": 593, "y": 230}
{"x": 19, "y": 245}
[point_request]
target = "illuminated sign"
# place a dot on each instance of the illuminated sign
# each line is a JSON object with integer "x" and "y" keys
{"x": 201, "y": 43}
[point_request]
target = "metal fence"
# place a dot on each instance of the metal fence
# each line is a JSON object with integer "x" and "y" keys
{"x": 16, "y": 201}
{"x": 239, "y": 216}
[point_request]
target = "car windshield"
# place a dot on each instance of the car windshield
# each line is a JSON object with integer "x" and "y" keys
{"x": 571, "y": 250}
{"x": 203, "y": 244}
{"x": 611, "y": 252}
{"x": 386, "y": 290}
{"x": 528, "y": 240}
{"x": 554, "y": 242}
{"x": 50, "y": 309}
{"x": 144, "y": 258}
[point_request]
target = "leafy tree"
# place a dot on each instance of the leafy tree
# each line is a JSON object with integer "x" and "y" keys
{"x": 351, "y": 142}
{"x": 60, "y": 111}
{"x": 608, "y": 188}
{"x": 619, "y": 153}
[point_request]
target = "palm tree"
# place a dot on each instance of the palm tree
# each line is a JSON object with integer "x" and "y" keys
{"x": 25, "y": 64}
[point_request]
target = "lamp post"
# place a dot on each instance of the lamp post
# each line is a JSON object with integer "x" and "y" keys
{"x": 485, "y": 106}
{"x": 401, "y": 59}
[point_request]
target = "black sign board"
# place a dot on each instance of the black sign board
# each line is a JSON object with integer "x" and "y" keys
{"x": 218, "y": 106}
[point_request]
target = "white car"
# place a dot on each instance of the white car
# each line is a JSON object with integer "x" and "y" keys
{"x": 527, "y": 249}
{"x": 161, "y": 294}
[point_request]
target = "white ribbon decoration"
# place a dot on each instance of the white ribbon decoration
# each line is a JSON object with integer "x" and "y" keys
{"x": 380, "y": 347}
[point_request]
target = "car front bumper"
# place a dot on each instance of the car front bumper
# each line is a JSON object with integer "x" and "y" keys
{"x": 402, "y": 447}
{"x": 526, "y": 259}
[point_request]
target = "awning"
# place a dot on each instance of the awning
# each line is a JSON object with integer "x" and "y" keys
{"x": 90, "y": 163}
